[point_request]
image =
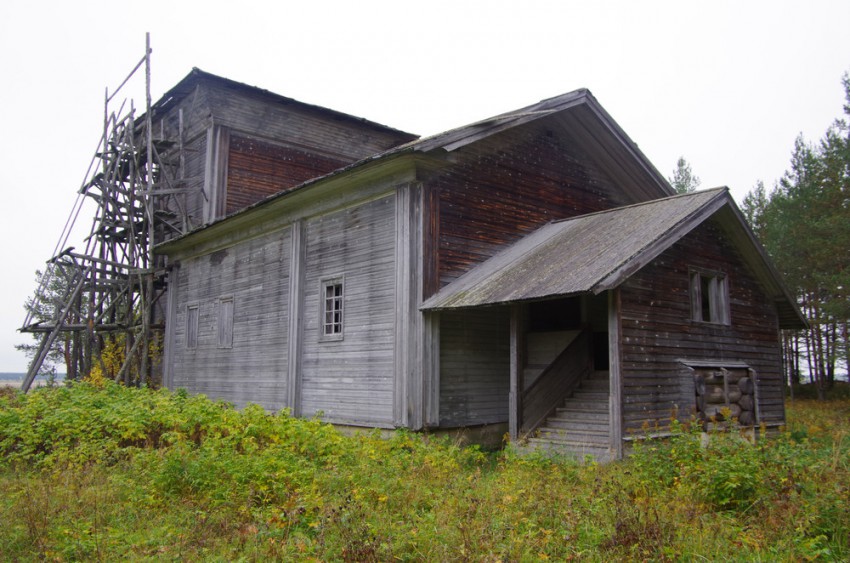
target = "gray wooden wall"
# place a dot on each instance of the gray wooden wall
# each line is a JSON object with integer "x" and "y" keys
{"x": 657, "y": 332}
{"x": 255, "y": 274}
{"x": 474, "y": 366}
{"x": 211, "y": 111}
{"x": 351, "y": 380}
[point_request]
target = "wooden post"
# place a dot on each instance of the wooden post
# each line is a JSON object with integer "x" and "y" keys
{"x": 615, "y": 405}
{"x": 409, "y": 386}
{"x": 517, "y": 365}
{"x": 431, "y": 367}
{"x": 756, "y": 402}
{"x": 169, "y": 341}
{"x": 146, "y": 283}
{"x": 297, "y": 257}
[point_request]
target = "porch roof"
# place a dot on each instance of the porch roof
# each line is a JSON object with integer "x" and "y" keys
{"x": 597, "y": 252}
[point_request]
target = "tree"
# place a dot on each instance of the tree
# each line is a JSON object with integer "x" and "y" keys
{"x": 804, "y": 224}
{"x": 683, "y": 180}
{"x": 51, "y": 287}
{"x": 754, "y": 207}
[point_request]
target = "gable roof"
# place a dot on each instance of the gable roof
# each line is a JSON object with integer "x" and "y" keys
{"x": 597, "y": 252}
{"x": 580, "y": 115}
{"x": 577, "y": 112}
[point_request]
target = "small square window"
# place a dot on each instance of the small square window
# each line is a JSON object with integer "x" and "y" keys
{"x": 332, "y": 309}
{"x": 709, "y": 298}
{"x": 192, "y": 315}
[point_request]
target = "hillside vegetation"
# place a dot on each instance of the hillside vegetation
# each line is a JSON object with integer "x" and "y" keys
{"x": 111, "y": 473}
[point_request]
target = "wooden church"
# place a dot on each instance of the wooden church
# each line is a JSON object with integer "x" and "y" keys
{"x": 531, "y": 274}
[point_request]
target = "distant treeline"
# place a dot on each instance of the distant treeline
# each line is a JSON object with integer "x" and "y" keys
{"x": 14, "y": 376}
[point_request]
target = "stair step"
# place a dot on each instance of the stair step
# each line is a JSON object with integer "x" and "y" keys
{"x": 595, "y": 385}
{"x": 576, "y": 424}
{"x": 576, "y": 444}
{"x": 580, "y": 406}
{"x": 584, "y": 415}
{"x": 593, "y": 417}
{"x": 593, "y": 435}
{"x": 581, "y": 426}
{"x": 596, "y": 437}
{"x": 584, "y": 395}
{"x": 583, "y": 407}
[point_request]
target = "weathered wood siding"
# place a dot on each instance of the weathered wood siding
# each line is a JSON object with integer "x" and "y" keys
{"x": 351, "y": 380}
{"x": 255, "y": 275}
{"x": 501, "y": 189}
{"x": 183, "y": 125}
{"x": 258, "y": 169}
{"x": 186, "y": 173}
{"x": 271, "y": 144}
{"x": 475, "y": 361}
{"x": 657, "y": 332}
{"x": 300, "y": 125}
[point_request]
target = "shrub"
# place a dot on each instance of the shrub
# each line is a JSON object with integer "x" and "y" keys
{"x": 115, "y": 473}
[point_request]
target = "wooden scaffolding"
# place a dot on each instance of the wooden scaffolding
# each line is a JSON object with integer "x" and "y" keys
{"x": 107, "y": 291}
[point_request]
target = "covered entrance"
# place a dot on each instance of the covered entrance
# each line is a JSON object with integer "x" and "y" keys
{"x": 560, "y": 382}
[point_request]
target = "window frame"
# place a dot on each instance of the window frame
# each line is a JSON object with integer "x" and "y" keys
{"x": 332, "y": 309}
{"x": 709, "y": 294}
{"x": 224, "y": 323}
{"x": 192, "y": 325}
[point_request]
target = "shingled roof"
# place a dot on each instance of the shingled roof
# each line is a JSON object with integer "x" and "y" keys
{"x": 597, "y": 252}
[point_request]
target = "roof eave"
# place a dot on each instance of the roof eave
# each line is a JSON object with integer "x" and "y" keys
{"x": 360, "y": 172}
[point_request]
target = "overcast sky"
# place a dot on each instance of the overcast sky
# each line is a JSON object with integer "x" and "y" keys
{"x": 728, "y": 85}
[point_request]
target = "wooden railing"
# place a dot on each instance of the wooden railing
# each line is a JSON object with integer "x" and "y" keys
{"x": 557, "y": 381}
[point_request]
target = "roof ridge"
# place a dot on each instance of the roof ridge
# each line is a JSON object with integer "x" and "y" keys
{"x": 718, "y": 189}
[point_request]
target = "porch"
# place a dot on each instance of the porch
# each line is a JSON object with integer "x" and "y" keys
{"x": 560, "y": 398}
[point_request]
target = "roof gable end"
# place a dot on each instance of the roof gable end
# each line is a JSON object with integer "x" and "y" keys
{"x": 581, "y": 117}
{"x": 597, "y": 252}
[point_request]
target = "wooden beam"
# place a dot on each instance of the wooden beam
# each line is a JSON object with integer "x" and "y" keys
{"x": 431, "y": 367}
{"x": 615, "y": 406}
{"x": 170, "y": 339}
{"x": 517, "y": 365}
{"x": 409, "y": 386}
{"x": 297, "y": 258}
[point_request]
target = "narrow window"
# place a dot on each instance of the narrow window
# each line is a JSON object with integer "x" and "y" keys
{"x": 332, "y": 313}
{"x": 709, "y": 298}
{"x": 192, "y": 326}
{"x": 225, "y": 322}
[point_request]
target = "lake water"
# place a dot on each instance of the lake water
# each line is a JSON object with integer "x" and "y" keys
{"x": 15, "y": 379}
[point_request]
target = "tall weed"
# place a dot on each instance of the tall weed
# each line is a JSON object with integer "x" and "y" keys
{"x": 104, "y": 472}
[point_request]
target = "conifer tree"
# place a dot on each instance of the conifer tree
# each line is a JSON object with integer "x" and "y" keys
{"x": 804, "y": 224}
{"x": 683, "y": 180}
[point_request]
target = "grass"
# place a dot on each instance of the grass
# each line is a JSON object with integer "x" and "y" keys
{"x": 109, "y": 473}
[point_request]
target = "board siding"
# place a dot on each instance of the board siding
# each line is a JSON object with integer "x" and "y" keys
{"x": 347, "y": 139}
{"x": 351, "y": 380}
{"x": 500, "y": 190}
{"x": 657, "y": 332}
{"x": 475, "y": 360}
{"x": 258, "y": 169}
{"x": 276, "y": 144}
{"x": 253, "y": 369}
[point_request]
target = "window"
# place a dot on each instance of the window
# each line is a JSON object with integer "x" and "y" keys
{"x": 192, "y": 326}
{"x": 709, "y": 297}
{"x": 332, "y": 316}
{"x": 225, "y": 322}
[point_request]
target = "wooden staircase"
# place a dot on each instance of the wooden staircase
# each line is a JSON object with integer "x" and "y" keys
{"x": 580, "y": 426}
